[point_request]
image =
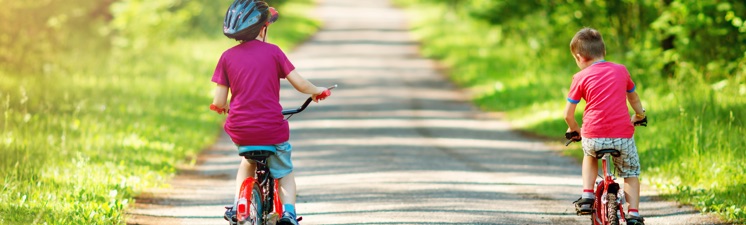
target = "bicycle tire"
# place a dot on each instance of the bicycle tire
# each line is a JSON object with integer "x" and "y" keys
{"x": 612, "y": 207}
{"x": 255, "y": 209}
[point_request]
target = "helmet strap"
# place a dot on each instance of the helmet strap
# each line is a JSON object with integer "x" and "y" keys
{"x": 264, "y": 39}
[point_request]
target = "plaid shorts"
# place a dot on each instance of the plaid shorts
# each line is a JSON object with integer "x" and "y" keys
{"x": 628, "y": 164}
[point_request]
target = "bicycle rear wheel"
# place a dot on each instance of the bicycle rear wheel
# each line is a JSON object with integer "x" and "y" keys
{"x": 254, "y": 206}
{"x": 612, "y": 207}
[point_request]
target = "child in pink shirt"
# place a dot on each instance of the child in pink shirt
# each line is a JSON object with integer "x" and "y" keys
{"x": 606, "y": 88}
{"x": 252, "y": 71}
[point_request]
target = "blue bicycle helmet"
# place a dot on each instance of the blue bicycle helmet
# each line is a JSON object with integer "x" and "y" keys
{"x": 242, "y": 14}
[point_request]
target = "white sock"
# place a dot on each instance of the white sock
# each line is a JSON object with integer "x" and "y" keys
{"x": 634, "y": 212}
{"x": 588, "y": 195}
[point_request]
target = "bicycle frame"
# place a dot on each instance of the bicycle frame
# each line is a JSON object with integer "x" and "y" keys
{"x": 604, "y": 187}
{"x": 267, "y": 188}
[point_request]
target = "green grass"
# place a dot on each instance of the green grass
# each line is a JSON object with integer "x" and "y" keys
{"x": 692, "y": 150}
{"x": 81, "y": 139}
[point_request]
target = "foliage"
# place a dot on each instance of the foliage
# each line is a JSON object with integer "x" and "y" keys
{"x": 32, "y": 33}
{"x": 113, "y": 111}
{"x": 514, "y": 57}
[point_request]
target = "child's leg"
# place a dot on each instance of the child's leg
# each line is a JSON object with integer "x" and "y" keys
{"x": 590, "y": 164}
{"x": 584, "y": 205}
{"x": 628, "y": 166}
{"x": 590, "y": 172}
{"x": 245, "y": 169}
{"x": 632, "y": 192}
{"x": 287, "y": 191}
{"x": 281, "y": 166}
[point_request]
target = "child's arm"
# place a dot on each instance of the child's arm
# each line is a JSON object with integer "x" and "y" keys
{"x": 634, "y": 101}
{"x": 220, "y": 99}
{"x": 303, "y": 85}
{"x": 572, "y": 123}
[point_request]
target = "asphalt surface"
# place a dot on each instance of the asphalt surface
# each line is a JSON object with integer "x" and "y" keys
{"x": 396, "y": 143}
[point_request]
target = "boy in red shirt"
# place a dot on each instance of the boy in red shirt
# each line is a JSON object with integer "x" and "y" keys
{"x": 606, "y": 88}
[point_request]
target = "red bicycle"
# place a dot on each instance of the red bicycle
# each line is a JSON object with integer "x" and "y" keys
{"x": 259, "y": 197}
{"x": 607, "y": 208}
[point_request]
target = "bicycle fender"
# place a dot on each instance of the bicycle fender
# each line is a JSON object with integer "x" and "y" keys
{"x": 244, "y": 198}
{"x": 277, "y": 201}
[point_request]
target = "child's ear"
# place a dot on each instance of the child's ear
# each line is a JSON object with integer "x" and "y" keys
{"x": 580, "y": 58}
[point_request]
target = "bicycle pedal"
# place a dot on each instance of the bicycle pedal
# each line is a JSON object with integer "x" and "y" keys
{"x": 584, "y": 210}
{"x": 272, "y": 218}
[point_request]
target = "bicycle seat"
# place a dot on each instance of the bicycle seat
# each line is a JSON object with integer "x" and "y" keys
{"x": 613, "y": 152}
{"x": 256, "y": 152}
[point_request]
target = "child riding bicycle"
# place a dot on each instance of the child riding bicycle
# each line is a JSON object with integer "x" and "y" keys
{"x": 605, "y": 86}
{"x": 251, "y": 71}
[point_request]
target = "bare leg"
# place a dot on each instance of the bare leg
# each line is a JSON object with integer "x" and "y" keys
{"x": 632, "y": 192}
{"x": 287, "y": 189}
{"x": 590, "y": 171}
{"x": 244, "y": 170}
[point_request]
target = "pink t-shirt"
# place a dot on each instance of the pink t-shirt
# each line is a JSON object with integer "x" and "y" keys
{"x": 604, "y": 86}
{"x": 252, "y": 70}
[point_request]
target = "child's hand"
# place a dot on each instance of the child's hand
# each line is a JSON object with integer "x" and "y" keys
{"x": 572, "y": 135}
{"x": 323, "y": 93}
{"x": 637, "y": 121}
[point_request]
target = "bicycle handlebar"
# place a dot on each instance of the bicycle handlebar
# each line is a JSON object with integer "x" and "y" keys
{"x": 570, "y": 135}
{"x": 321, "y": 96}
{"x": 298, "y": 110}
{"x": 568, "y": 142}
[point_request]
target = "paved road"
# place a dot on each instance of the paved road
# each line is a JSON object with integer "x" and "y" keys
{"x": 395, "y": 144}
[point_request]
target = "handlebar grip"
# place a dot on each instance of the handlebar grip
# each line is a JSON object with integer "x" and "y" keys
{"x": 324, "y": 94}
{"x": 570, "y": 136}
{"x": 643, "y": 122}
{"x": 218, "y": 110}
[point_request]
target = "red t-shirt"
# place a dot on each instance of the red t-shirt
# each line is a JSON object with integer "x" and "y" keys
{"x": 604, "y": 86}
{"x": 252, "y": 70}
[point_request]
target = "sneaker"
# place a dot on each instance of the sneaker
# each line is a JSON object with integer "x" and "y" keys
{"x": 635, "y": 220}
{"x": 584, "y": 206}
{"x": 288, "y": 218}
{"x": 230, "y": 215}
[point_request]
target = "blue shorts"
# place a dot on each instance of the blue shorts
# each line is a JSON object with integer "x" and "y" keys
{"x": 279, "y": 163}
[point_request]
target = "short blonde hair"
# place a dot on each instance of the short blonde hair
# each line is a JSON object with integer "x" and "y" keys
{"x": 588, "y": 43}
